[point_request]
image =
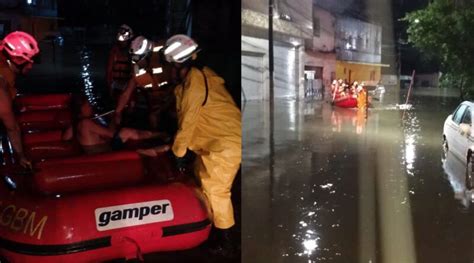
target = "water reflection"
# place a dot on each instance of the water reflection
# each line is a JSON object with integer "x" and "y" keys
{"x": 353, "y": 118}
{"x": 86, "y": 75}
{"x": 412, "y": 131}
{"x": 455, "y": 171}
{"x": 339, "y": 194}
{"x": 89, "y": 89}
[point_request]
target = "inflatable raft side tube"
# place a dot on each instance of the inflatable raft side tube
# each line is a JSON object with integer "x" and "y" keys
{"x": 43, "y": 102}
{"x": 52, "y": 250}
{"x": 103, "y": 242}
{"x": 185, "y": 228}
{"x": 48, "y": 150}
{"x": 47, "y": 136}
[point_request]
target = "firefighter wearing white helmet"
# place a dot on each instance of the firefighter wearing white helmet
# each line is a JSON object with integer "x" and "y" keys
{"x": 209, "y": 124}
{"x": 17, "y": 51}
{"x": 119, "y": 62}
{"x": 125, "y": 33}
{"x": 151, "y": 79}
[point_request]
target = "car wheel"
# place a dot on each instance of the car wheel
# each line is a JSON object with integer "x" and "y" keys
{"x": 469, "y": 171}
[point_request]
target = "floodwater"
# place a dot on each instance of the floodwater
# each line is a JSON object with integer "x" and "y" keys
{"x": 325, "y": 184}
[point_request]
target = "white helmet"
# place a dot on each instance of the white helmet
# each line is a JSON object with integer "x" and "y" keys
{"x": 124, "y": 33}
{"x": 179, "y": 48}
{"x": 140, "y": 47}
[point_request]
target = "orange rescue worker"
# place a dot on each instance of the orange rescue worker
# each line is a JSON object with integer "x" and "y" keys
{"x": 16, "y": 57}
{"x": 209, "y": 124}
{"x": 119, "y": 63}
{"x": 152, "y": 79}
{"x": 361, "y": 98}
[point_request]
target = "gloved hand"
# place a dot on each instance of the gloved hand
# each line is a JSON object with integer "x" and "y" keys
{"x": 117, "y": 143}
{"x": 181, "y": 163}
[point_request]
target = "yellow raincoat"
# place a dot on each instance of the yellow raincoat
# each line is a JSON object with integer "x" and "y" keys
{"x": 213, "y": 132}
{"x": 362, "y": 99}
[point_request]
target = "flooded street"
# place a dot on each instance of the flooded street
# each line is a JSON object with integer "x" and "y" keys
{"x": 328, "y": 185}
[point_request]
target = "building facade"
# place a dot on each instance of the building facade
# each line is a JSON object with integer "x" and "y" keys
{"x": 312, "y": 47}
{"x": 320, "y": 55}
{"x": 292, "y": 27}
{"x": 358, "y": 51}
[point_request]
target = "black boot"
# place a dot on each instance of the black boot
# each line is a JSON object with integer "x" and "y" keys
{"x": 221, "y": 243}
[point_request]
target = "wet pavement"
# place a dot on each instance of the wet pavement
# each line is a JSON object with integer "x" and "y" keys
{"x": 327, "y": 185}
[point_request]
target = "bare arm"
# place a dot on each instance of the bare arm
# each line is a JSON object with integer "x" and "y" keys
{"x": 67, "y": 134}
{"x": 124, "y": 99}
{"x": 133, "y": 134}
{"x": 8, "y": 119}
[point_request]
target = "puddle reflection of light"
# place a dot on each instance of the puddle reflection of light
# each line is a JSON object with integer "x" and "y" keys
{"x": 410, "y": 153}
{"x": 86, "y": 75}
{"x": 412, "y": 131}
{"x": 292, "y": 116}
{"x": 310, "y": 245}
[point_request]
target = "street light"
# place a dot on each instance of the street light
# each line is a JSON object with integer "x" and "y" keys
{"x": 417, "y": 21}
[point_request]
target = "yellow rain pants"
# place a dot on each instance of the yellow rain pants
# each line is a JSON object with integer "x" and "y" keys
{"x": 213, "y": 132}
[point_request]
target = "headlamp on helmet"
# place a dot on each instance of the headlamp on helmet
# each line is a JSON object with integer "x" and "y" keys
{"x": 124, "y": 33}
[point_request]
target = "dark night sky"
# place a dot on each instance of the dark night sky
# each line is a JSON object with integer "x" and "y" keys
{"x": 142, "y": 15}
{"x": 411, "y": 57}
{"x": 215, "y": 26}
{"x": 215, "y": 22}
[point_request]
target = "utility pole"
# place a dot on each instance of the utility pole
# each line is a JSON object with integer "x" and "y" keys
{"x": 270, "y": 51}
{"x": 271, "y": 104}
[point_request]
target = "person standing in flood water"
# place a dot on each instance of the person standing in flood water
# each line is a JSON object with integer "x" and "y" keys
{"x": 17, "y": 50}
{"x": 209, "y": 125}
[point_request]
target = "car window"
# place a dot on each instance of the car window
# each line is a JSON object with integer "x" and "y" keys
{"x": 467, "y": 116}
{"x": 457, "y": 116}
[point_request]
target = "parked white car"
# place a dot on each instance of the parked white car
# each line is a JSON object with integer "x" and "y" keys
{"x": 458, "y": 138}
{"x": 455, "y": 173}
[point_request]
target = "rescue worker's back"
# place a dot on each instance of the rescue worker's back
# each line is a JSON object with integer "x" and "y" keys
{"x": 213, "y": 127}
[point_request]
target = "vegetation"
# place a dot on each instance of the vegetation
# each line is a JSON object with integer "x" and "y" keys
{"x": 444, "y": 31}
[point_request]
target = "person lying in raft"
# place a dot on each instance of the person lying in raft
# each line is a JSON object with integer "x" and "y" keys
{"x": 95, "y": 138}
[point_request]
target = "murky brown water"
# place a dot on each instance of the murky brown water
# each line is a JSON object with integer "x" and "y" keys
{"x": 335, "y": 187}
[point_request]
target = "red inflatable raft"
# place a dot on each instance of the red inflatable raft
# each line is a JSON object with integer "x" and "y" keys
{"x": 95, "y": 208}
{"x": 346, "y": 101}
